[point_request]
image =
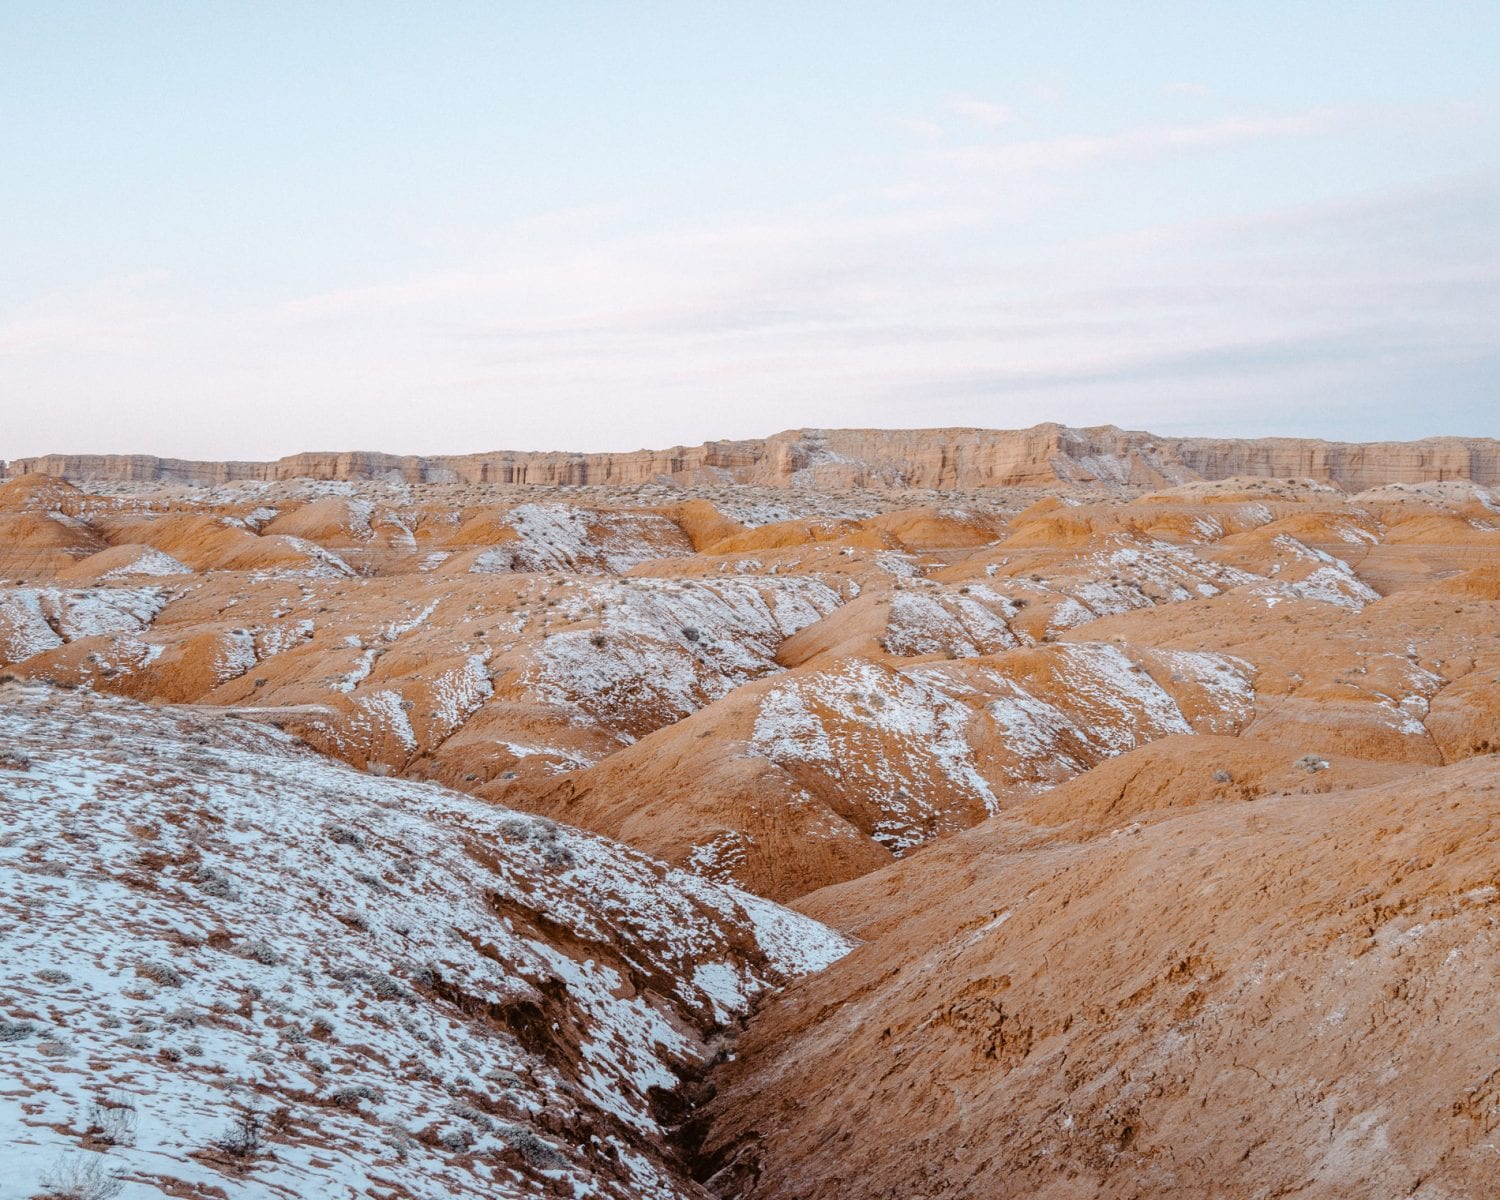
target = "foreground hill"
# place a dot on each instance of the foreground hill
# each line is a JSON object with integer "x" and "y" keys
{"x": 1203, "y": 996}
{"x": 881, "y": 458}
{"x": 234, "y": 968}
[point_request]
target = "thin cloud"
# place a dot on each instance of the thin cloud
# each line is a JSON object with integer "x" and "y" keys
{"x": 982, "y": 112}
{"x": 928, "y": 130}
{"x": 1077, "y": 153}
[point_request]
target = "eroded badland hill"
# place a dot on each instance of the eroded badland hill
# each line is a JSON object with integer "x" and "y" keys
{"x": 1064, "y": 813}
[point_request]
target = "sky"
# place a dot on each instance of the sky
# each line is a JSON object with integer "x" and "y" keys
{"x": 246, "y": 229}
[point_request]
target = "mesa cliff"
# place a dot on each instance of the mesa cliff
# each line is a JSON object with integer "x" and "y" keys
{"x": 870, "y": 458}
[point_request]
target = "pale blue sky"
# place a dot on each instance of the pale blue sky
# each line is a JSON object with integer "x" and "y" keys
{"x": 246, "y": 229}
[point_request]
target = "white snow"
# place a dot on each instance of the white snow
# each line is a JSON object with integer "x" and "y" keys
{"x": 565, "y": 537}
{"x": 150, "y": 561}
{"x": 887, "y": 735}
{"x": 658, "y": 650}
{"x": 200, "y": 917}
{"x": 33, "y": 620}
{"x": 939, "y": 621}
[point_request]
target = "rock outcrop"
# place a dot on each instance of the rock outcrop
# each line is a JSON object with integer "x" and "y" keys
{"x": 875, "y": 458}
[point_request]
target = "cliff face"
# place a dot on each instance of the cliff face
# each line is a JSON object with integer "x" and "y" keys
{"x": 875, "y": 458}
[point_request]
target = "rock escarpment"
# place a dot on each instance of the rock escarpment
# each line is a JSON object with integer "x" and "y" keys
{"x": 874, "y": 458}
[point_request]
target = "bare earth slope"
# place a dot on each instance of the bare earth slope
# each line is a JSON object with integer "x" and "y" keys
{"x": 1291, "y": 995}
{"x": 1161, "y": 811}
{"x": 922, "y": 458}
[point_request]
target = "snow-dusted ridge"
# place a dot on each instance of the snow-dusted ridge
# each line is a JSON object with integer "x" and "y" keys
{"x": 410, "y": 993}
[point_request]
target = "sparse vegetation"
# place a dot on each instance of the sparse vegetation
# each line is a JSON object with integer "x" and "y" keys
{"x": 353, "y": 1095}
{"x": 245, "y": 1138}
{"x": 214, "y": 882}
{"x": 112, "y": 1119}
{"x": 537, "y": 1152}
{"x": 261, "y": 951}
{"x": 81, "y": 1176}
{"x": 344, "y": 836}
{"x": 160, "y": 973}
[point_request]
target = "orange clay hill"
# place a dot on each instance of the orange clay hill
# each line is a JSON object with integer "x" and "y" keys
{"x": 948, "y": 813}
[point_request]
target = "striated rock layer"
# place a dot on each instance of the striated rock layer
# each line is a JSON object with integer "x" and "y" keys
{"x": 876, "y": 458}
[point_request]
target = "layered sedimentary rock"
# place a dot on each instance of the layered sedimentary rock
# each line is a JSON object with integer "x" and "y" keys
{"x": 873, "y": 458}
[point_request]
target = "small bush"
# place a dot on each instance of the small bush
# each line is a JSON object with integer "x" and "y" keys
{"x": 214, "y": 882}
{"x": 246, "y": 1136}
{"x": 516, "y": 827}
{"x": 352, "y": 1095}
{"x": 160, "y": 973}
{"x": 112, "y": 1120}
{"x": 262, "y": 952}
{"x": 532, "y": 1148}
{"x": 472, "y": 1116}
{"x": 81, "y": 1177}
{"x": 401, "y": 1142}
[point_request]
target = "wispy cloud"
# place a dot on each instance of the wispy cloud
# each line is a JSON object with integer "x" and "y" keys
{"x": 1082, "y": 152}
{"x": 928, "y": 130}
{"x": 982, "y": 112}
{"x": 954, "y": 287}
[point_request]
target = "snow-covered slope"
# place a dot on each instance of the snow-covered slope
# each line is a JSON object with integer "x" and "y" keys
{"x": 234, "y": 968}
